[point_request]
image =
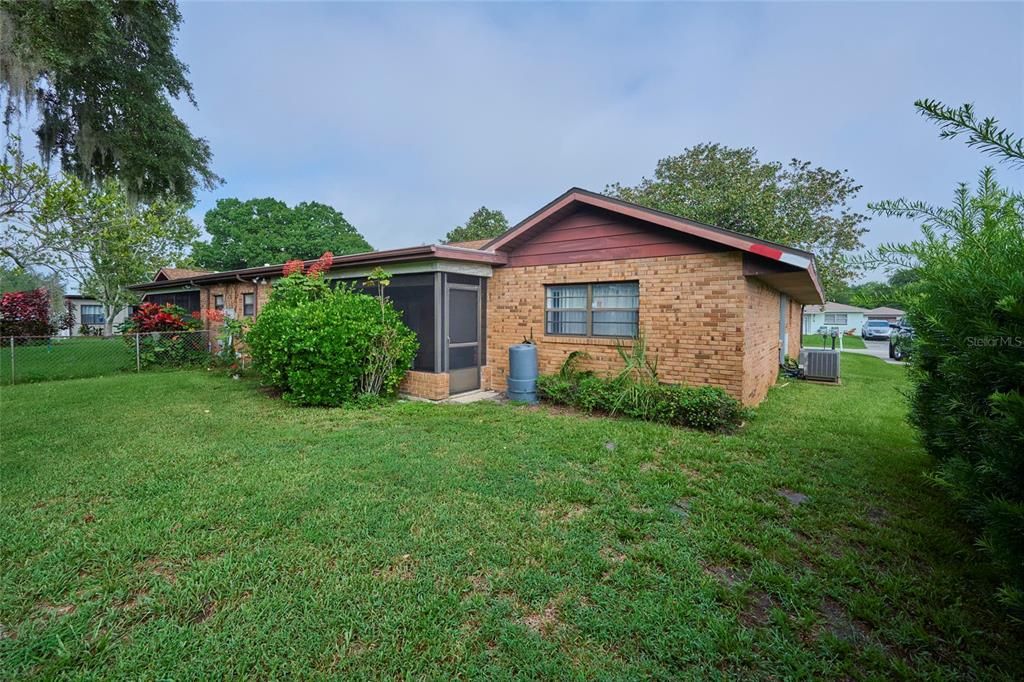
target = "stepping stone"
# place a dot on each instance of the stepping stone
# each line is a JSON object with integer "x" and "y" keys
{"x": 609, "y": 446}
{"x": 795, "y": 498}
{"x": 681, "y": 508}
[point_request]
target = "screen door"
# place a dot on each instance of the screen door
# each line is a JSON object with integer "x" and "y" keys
{"x": 463, "y": 338}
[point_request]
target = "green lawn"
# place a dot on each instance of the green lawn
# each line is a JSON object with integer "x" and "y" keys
{"x": 815, "y": 341}
{"x": 67, "y": 358}
{"x": 184, "y": 525}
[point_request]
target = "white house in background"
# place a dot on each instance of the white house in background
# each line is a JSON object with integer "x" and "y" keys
{"x": 848, "y": 319}
{"x": 89, "y": 312}
{"x": 890, "y": 315}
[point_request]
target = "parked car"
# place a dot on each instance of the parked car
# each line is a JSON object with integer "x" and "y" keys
{"x": 901, "y": 340}
{"x": 875, "y": 329}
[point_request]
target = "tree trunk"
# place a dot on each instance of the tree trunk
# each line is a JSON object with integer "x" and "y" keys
{"x": 108, "y": 320}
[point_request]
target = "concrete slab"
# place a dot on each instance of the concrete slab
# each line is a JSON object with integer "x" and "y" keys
{"x": 473, "y": 397}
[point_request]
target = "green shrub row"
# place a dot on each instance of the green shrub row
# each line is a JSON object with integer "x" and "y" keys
{"x": 705, "y": 407}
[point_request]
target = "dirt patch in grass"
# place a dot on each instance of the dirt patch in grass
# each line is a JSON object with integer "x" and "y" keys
{"x": 544, "y": 621}
{"x": 727, "y": 575}
{"x": 562, "y": 513}
{"x": 838, "y": 623}
{"x": 691, "y": 473}
{"x": 402, "y": 568}
{"x": 649, "y": 466}
{"x": 158, "y": 566}
{"x": 758, "y": 611}
{"x": 47, "y": 609}
{"x": 611, "y": 555}
{"x": 134, "y": 599}
{"x": 206, "y": 611}
{"x": 479, "y": 584}
{"x": 877, "y": 515}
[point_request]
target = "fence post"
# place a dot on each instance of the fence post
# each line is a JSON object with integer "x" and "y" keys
{"x": 138, "y": 361}
{"x": 12, "y": 361}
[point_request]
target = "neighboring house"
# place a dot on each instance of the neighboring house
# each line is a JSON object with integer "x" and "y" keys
{"x": 884, "y": 313}
{"x": 848, "y": 319}
{"x": 585, "y": 272}
{"x": 89, "y": 312}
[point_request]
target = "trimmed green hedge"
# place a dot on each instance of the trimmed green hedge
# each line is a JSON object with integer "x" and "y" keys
{"x": 705, "y": 407}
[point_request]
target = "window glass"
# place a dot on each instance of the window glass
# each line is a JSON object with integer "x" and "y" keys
{"x": 92, "y": 314}
{"x": 603, "y": 309}
{"x": 615, "y": 322}
{"x": 621, "y": 295}
{"x": 218, "y": 302}
{"x": 567, "y": 322}
{"x": 835, "y": 318}
{"x": 567, "y": 297}
{"x": 248, "y": 304}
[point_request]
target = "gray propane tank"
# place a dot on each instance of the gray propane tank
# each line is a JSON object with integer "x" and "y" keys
{"x": 522, "y": 373}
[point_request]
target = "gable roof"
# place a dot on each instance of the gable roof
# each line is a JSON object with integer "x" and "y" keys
{"x": 576, "y": 197}
{"x": 833, "y": 307}
{"x": 470, "y": 244}
{"x": 884, "y": 310}
{"x": 164, "y": 274}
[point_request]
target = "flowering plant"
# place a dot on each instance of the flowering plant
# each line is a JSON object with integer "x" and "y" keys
{"x": 152, "y": 317}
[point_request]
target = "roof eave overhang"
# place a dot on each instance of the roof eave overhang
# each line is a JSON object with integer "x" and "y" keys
{"x": 415, "y": 253}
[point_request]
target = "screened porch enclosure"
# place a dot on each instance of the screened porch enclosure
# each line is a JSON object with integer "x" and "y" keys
{"x": 446, "y": 311}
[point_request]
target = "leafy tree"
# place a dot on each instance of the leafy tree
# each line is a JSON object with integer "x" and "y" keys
{"x": 121, "y": 243}
{"x": 795, "y": 204}
{"x": 261, "y": 231}
{"x": 103, "y": 75}
{"x": 895, "y": 293}
{"x": 14, "y": 278}
{"x": 485, "y": 223}
{"x": 35, "y": 212}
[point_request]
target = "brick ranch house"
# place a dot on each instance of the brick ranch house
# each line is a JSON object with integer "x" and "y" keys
{"x": 585, "y": 272}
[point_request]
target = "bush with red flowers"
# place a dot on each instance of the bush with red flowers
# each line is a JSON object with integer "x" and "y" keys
{"x": 167, "y": 336}
{"x": 25, "y": 313}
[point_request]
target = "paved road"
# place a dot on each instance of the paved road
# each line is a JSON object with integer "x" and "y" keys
{"x": 878, "y": 349}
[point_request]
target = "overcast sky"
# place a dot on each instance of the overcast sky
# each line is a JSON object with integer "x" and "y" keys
{"x": 407, "y": 117}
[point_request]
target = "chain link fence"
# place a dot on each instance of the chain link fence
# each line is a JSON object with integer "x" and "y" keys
{"x": 26, "y": 359}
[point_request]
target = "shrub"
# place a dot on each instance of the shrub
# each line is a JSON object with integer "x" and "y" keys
{"x": 967, "y": 361}
{"x": 25, "y": 313}
{"x": 706, "y": 407}
{"x": 167, "y": 336}
{"x": 323, "y": 346}
{"x": 152, "y": 317}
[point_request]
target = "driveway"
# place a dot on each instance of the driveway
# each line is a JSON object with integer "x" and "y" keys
{"x": 878, "y": 349}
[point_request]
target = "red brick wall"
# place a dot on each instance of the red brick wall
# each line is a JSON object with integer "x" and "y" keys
{"x": 691, "y": 309}
{"x": 761, "y": 341}
{"x": 425, "y": 385}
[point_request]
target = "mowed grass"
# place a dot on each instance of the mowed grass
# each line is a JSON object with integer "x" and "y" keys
{"x": 65, "y": 358}
{"x": 183, "y": 525}
{"x": 816, "y": 341}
